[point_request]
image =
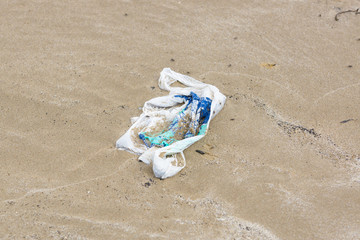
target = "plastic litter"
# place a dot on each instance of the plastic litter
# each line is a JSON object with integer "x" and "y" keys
{"x": 170, "y": 124}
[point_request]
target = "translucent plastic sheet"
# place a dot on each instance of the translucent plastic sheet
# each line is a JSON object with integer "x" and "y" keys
{"x": 170, "y": 124}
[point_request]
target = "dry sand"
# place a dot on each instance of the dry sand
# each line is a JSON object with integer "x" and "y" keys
{"x": 279, "y": 163}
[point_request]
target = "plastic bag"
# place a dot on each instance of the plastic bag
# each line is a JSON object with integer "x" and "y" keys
{"x": 170, "y": 124}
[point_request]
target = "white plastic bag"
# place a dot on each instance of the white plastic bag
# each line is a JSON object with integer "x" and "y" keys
{"x": 170, "y": 124}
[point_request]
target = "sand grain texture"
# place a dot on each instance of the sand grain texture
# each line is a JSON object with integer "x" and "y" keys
{"x": 280, "y": 160}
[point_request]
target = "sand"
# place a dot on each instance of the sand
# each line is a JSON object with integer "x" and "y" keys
{"x": 281, "y": 162}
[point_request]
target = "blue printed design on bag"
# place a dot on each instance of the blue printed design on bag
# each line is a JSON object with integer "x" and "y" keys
{"x": 185, "y": 124}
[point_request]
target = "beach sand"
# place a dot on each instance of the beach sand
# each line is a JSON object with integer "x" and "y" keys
{"x": 281, "y": 160}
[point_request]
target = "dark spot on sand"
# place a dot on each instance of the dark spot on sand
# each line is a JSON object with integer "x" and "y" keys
{"x": 290, "y": 128}
{"x": 348, "y": 120}
{"x": 199, "y": 151}
{"x": 173, "y": 60}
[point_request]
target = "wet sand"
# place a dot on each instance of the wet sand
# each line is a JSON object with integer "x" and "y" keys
{"x": 281, "y": 160}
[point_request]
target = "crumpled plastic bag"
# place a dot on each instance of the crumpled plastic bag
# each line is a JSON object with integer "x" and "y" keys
{"x": 170, "y": 124}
